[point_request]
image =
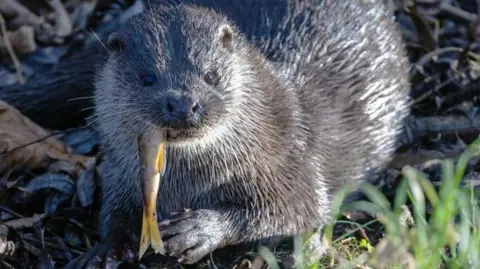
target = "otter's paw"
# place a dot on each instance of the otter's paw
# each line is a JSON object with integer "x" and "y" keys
{"x": 191, "y": 235}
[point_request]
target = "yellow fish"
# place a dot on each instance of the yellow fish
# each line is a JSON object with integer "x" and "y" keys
{"x": 153, "y": 163}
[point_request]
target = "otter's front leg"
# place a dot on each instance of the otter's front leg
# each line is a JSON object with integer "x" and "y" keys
{"x": 193, "y": 234}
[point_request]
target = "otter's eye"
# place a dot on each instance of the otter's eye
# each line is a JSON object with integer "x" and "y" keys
{"x": 148, "y": 79}
{"x": 211, "y": 78}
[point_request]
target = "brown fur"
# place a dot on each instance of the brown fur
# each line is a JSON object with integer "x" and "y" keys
{"x": 280, "y": 135}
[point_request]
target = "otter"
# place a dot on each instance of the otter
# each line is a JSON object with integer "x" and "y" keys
{"x": 256, "y": 145}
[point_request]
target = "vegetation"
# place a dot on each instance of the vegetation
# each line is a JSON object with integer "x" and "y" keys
{"x": 447, "y": 237}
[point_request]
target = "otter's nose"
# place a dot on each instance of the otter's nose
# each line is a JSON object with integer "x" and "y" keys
{"x": 183, "y": 109}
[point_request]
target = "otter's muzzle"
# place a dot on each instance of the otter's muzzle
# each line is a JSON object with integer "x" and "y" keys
{"x": 182, "y": 112}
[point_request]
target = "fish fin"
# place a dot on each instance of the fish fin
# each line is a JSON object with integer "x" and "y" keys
{"x": 161, "y": 159}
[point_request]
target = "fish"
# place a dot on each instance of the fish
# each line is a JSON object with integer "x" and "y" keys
{"x": 153, "y": 163}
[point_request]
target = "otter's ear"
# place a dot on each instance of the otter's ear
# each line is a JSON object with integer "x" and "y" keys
{"x": 115, "y": 43}
{"x": 225, "y": 36}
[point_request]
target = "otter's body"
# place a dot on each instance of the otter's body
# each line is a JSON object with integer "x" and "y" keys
{"x": 270, "y": 139}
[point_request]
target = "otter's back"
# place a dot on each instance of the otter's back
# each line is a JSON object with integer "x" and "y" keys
{"x": 347, "y": 61}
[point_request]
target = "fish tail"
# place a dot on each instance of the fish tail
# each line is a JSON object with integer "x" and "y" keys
{"x": 145, "y": 237}
{"x": 155, "y": 238}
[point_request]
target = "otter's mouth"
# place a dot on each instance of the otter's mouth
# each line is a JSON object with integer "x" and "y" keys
{"x": 174, "y": 135}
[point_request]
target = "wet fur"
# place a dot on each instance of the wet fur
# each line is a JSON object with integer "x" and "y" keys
{"x": 287, "y": 128}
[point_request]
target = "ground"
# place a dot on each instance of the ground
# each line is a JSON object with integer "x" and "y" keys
{"x": 423, "y": 213}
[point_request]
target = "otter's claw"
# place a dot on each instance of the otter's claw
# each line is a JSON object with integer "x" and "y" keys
{"x": 191, "y": 235}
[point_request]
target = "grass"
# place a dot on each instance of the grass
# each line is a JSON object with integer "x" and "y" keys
{"x": 447, "y": 237}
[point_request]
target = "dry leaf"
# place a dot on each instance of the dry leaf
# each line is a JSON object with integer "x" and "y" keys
{"x": 17, "y": 15}
{"x": 387, "y": 254}
{"x": 7, "y": 247}
{"x": 17, "y": 131}
{"x": 59, "y": 182}
{"x": 45, "y": 259}
{"x": 24, "y": 222}
{"x": 63, "y": 166}
{"x": 53, "y": 201}
{"x": 86, "y": 183}
{"x": 63, "y": 25}
{"x": 356, "y": 216}
{"x": 22, "y": 41}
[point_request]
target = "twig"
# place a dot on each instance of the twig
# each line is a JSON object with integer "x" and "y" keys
{"x": 418, "y": 128}
{"x": 11, "y": 211}
{"x": 22, "y": 41}
{"x": 42, "y": 139}
{"x": 466, "y": 94}
{"x": 457, "y": 12}
{"x": 61, "y": 243}
{"x": 7, "y": 265}
{"x": 51, "y": 245}
{"x": 429, "y": 56}
{"x": 402, "y": 159}
{"x": 431, "y": 91}
{"x": 18, "y": 67}
{"x": 31, "y": 248}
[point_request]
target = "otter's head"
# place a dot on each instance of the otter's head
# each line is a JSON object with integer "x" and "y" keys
{"x": 178, "y": 69}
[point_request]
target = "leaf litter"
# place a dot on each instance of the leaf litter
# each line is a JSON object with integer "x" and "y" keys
{"x": 23, "y": 144}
